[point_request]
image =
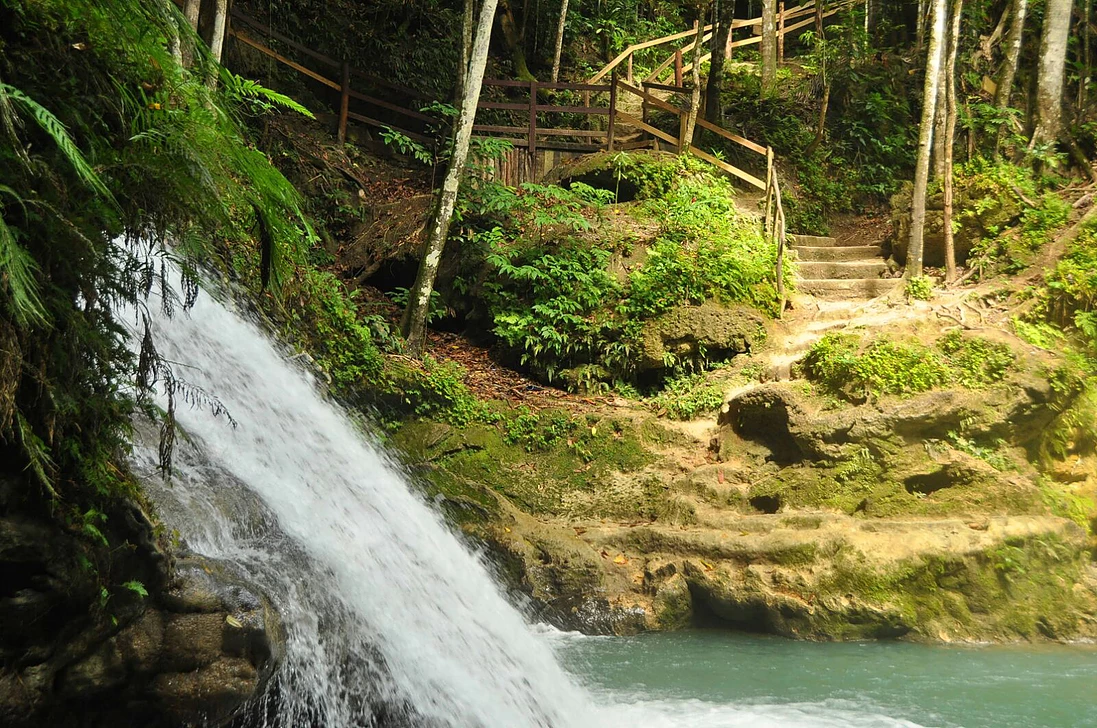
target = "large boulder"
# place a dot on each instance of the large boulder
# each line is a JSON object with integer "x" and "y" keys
{"x": 183, "y": 643}
{"x": 712, "y": 331}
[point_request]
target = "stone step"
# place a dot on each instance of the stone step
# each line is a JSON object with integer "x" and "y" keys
{"x": 813, "y": 241}
{"x": 872, "y": 268}
{"x": 809, "y": 253}
{"x": 848, "y": 287}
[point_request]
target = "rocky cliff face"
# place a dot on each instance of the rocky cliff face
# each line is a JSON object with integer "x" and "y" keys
{"x": 81, "y": 645}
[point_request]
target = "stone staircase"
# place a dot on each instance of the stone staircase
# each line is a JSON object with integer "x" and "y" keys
{"x": 829, "y": 269}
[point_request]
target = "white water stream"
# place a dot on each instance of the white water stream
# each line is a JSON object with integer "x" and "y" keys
{"x": 390, "y": 619}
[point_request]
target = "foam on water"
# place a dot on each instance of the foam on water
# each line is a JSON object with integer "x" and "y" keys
{"x": 390, "y": 619}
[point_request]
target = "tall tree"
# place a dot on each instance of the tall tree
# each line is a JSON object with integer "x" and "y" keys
{"x": 414, "y": 323}
{"x": 1008, "y": 72}
{"x": 925, "y": 141}
{"x": 1051, "y": 71}
{"x": 559, "y": 40}
{"x": 695, "y": 90}
{"x": 769, "y": 47}
{"x": 950, "y": 112}
{"x": 515, "y": 41}
{"x": 725, "y": 15}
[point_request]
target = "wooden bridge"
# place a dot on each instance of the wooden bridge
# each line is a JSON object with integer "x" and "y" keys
{"x": 548, "y": 123}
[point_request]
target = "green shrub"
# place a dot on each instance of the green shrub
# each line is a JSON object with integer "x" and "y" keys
{"x": 686, "y": 397}
{"x": 919, "y": 288}
{"x": 976, "y": 361}
{"x": 883, "y": 367}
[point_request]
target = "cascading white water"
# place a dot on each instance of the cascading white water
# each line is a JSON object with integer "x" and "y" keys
{"x": 389, "y": 618}
{"x": 389, "y": 584}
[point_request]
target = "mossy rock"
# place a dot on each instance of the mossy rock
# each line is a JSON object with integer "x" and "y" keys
{"x": 712, "y": 331}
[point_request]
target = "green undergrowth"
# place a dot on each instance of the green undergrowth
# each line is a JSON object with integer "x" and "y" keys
{"x": 855, "y": 369}
{"x": 1019, "y": 589}
{"x": 568, "y": 292}
{"x": 550, "y": 462}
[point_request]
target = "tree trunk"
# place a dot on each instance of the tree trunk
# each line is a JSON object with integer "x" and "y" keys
{"x": 1084, "y": 58}
{"x": 190, "y": 14}
{"x": 514, "y": 42}
{"x": 468, "y": 19}
{"x": 695, "y": 91}
{"x": 824, "y": 79}
{"x": 559, "y": 40}
{"x": 1014, "y": 39}
{"x": 725, "y": 12}
{"x": 1051, "y": 72}
{"x": 940, "y": 120}
{"x": 769, "y": 47}
{"x": 925, "y": 141}
{"x": 414, "y": 323}
{"x": 950, "y": 135}
{"x": 217, "y": 38}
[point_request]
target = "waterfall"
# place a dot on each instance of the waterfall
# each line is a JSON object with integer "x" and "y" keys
{"x": 385, "y": 609}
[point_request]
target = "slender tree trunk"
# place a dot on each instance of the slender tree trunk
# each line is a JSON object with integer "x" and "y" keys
{"x": 414, "y": 323}
{"x": 950, "y": 135}
{"x": 220, "y": 20}
{"x": 1051, "y": 72}
{"x": 769, "y": 47}
{"x": 1012, "y": 54}
{"x": 1008, "y": 73}
{"x": 514, "y": 42}
{"x": 695, "y": 91}
{"x": 468, "y": 19}
{"x": 1084, "y": 57}
{"x": 559, "y": 40}
{"x": 925, "y": 141}
{"x": 920, "y": 32}
{"x": 940, "y": 120}
{"x": 190, "y": 12}
{"x": 725, "y": 12}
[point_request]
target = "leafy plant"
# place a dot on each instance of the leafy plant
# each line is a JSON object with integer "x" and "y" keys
{"x": 687, "y": 396}
{"x": 919, "y": 288}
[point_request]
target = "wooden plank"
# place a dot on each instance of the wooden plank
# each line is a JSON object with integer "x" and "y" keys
{"x": 570, "y": 132}
{"x": 565, "y": 86}
{"x": 375, "y": 122}
{"x": 282, "y": 59}
{"x": 639, "y": 47}
{"x": 666, "y": 87}
{"x": 752, "y": 146}
{"x": 653, "y": 100}
{"x": 391, "y": 107}
{"x": 548, "y": 109}
{"x": 638, "y": 123}
{"x": 500, "y": 129}
{"x": 613, "y": 105}
{"x": 746, "y": 177}
{"x": 507, "y": 106}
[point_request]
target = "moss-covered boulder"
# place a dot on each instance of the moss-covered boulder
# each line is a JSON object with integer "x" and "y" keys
{"x": 711, "y": 331}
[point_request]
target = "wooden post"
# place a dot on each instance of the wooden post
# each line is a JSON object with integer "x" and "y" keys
{"x": 532, "y": 119}
{"x": 781, "y": 31}
{"x": 613, "y": 106}
{"x": 630, "y": 68}
{"x": 344, "y": 103}
{"x": 683, "y": 143}
{"x": 677, "y": 66}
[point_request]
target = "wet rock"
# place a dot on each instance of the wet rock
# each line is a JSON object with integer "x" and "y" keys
{"x": 193, "y": 651}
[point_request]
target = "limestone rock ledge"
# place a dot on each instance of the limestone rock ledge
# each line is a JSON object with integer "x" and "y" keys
{"x": 78, "y": 648}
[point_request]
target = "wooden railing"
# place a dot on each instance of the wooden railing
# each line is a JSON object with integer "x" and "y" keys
{"x": 529, "y": 134}
{"x": 774, "y": 223}
{"x": 676, "y": 58}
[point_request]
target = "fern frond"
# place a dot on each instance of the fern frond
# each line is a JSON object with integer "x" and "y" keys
{"x": 244, "y": 88}
{"x": 60, "y": 135}
{"x": 17, "y": 273}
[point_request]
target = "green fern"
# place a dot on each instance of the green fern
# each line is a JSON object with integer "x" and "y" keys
{"x": 60, "y": 135}
{"x": 17, "y": 272}
{"x": 245, "y": 89}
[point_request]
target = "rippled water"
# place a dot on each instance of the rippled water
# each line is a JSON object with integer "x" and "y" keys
{"x": 710, "y": 679}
